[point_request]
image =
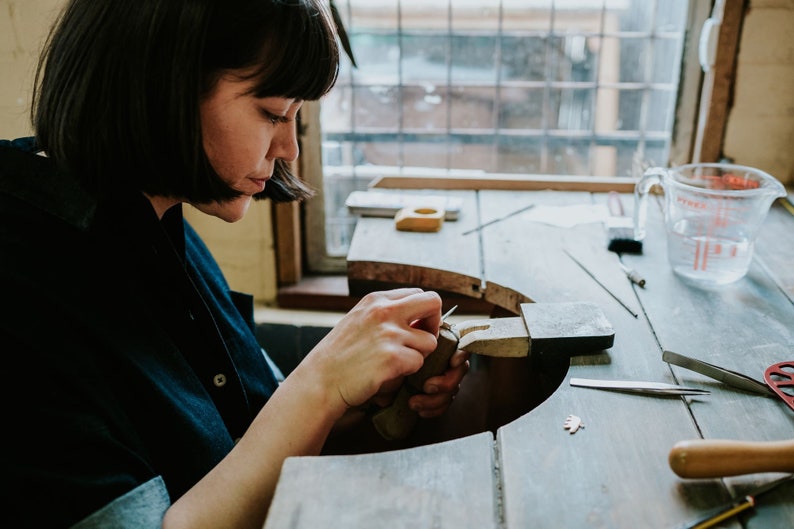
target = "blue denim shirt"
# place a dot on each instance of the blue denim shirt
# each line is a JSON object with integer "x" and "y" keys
{"x": 135, "y": 366}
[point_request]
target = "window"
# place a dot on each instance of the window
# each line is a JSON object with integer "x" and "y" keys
{"x": 531, "y": 87}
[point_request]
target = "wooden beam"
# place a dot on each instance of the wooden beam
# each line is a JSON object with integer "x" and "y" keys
{"x": 286, "y": 232}
{"x": 724, "y": 77}
{"x": 509, "y": 182}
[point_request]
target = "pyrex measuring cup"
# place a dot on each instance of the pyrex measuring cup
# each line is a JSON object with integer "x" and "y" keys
{"x": 713, "y": 213}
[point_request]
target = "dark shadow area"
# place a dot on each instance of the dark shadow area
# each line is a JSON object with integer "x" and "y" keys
{"x": 495, "y": 392}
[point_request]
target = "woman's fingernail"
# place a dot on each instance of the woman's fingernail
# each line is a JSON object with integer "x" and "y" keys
{"x": 431, "y": 389}
{"x": 458, "y": 361}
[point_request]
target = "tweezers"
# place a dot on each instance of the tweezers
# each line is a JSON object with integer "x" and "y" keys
{"x": 726, "y": 376}
{"x": 646, "y": 388}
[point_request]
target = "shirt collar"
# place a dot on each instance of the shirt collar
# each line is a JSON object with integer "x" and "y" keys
{"x": 36, "y": 180}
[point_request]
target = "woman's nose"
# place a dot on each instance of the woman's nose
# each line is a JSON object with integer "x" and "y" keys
{"x": 285, "y": 142}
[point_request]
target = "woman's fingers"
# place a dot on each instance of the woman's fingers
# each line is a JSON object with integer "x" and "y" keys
{"x": 421, "y": 341}
{"x": 449, "y": 381}
{"x": 397, "y": 293}
{"x": 384, "y": 337}
{"x": 424, "y": 310}
{"x": 441, "y": 390}
{"x": 432, "y": 405}
{"x": 409, "y": 317}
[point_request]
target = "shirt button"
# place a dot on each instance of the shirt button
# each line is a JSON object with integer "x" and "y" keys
{"x": 219, "y": 380}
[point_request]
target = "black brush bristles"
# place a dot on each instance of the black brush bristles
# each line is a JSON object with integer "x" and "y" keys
{"x": 621, "y": 240}
{"x": 620, "y": 228}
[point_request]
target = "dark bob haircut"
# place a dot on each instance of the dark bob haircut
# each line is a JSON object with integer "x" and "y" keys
{"x": 119, "y": 84}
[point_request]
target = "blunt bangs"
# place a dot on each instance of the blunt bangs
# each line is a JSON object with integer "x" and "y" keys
{"x": 288, "y": 46}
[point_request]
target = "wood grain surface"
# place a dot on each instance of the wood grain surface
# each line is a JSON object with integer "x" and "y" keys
{"x": 613, "y": 472}
{"x": 444, "y": 486}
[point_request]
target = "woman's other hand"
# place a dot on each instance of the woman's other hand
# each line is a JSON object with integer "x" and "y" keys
{"x": 439, "y": 391}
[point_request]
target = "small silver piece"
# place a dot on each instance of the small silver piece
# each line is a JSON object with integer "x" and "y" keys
{"x": 573, "y": 423}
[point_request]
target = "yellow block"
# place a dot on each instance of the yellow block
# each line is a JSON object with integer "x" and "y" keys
{"x": 419, "y": 219}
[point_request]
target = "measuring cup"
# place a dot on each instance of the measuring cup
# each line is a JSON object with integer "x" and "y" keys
{"x": 713, "y": 213}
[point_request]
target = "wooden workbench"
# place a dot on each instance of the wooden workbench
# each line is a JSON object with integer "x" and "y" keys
{"x": 511, "y": 470}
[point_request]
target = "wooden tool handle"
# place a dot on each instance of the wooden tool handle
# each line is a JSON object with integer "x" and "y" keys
{"x": 717, "y": 458}
{"x": 397, "y": 421}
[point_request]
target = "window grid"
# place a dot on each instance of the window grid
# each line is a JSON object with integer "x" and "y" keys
{"x": 345, "y": 146}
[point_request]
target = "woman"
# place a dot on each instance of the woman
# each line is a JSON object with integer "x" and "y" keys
{"x": 142, "y": 398}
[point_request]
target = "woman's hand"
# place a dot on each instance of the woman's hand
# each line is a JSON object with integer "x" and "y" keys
{"x": 383, "y": 338}
{"x": 439, "y": 391}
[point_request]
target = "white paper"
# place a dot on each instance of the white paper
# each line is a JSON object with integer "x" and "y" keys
{"x": 568, "y": 216}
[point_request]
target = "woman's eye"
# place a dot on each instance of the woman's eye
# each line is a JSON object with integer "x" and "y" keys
{"x": 273, "y": 118}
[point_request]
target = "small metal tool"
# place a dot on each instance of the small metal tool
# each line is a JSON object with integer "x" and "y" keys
{"x": 734, "y": 508}
{"x": 633, "y": 276}
{"x": 726, "y": 376}
{"x": 631, "y": 386}
{"x": 445, "y": 325}
{"x": 447, "y": 314}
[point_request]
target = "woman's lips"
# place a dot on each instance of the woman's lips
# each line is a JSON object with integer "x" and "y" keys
{"x": 260, "y": 183}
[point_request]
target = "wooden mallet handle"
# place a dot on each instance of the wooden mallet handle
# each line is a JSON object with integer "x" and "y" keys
{"x": 704, "y": 458}
{"x": 397, "y": 420}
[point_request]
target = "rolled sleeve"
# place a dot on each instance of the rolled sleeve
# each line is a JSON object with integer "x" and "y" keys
{"x": 140, "y": 508}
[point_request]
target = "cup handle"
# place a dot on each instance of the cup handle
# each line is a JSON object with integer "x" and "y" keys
{"x": 652, "y": 176}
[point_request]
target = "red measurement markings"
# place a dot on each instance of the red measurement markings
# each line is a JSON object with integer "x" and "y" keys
{"x": 703, "y": 250}
{"x": 731, "y": 181}
{"x": 699, "y": 252}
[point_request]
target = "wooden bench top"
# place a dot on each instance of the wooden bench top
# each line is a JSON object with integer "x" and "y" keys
{"x": 533, "y": 473}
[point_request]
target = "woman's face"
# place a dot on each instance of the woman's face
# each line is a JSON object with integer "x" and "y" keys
{"x": 243, "y": 137}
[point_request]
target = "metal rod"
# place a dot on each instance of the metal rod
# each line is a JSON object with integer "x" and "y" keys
{"x": 747, "y": 503}
{"x": 448, "y": 313}
{"x": 583, "y": 267}
{"x": 481, "y": 226}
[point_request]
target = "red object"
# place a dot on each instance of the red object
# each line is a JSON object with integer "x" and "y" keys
{"x": 731, "y": 181}
{"x": 780, "y": 377}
